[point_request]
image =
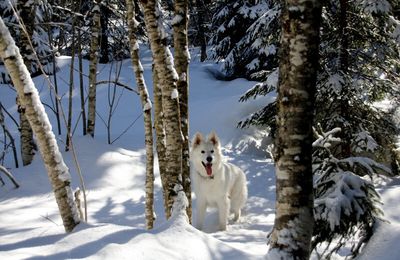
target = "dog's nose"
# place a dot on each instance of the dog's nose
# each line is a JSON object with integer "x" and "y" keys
{"x": 209, "y": 159}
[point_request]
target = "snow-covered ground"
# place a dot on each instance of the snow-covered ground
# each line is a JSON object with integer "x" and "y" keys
{"x": 30, "y": 226}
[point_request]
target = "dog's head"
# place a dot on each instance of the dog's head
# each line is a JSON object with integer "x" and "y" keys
{"x": 206, "y": 153}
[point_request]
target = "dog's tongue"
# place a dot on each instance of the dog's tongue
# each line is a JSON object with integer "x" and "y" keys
{"x": 209, "y": 169}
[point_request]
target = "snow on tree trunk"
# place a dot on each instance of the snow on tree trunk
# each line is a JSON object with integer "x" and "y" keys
{"x": 57, "y": 170}
{"x": 294, "y": 221}
{"x": 94, "y": 54}
{"x": 146, "y": 103}
{"x": 170, "y": 98}
{"x": 27, "y": 10}
{"x": 160, "y": 134}
{"x": 182, "y": 56}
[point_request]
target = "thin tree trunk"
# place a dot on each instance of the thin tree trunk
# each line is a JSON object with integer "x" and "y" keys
{"x": 57, "y": 170}
{"x": 291, "y": 236}
{"x": 170, "y": 99}
{"x": 201, "y": 12}
{"x": 181, "y": 54}
{"x": 71, "y": 88}
{"x": 7, "y": 133}
{"x": 146, "y": 104}
{"x": 94, "y": 48}
{"x": 160, "y": 137}
{"x": 104, "y": 28}
{"x": 27, "y": 14}
{"x": 81, "y": 86}
{"x": 54, "y": 71}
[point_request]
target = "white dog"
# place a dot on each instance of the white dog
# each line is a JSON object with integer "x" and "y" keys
{"x": 216, "y": 183}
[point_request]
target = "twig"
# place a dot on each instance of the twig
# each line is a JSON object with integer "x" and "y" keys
{"x": 118, "y": 84}
{"x": 9, "y": 175}
{"x": 46, "y": 217}
{"x": 134, "y": 121}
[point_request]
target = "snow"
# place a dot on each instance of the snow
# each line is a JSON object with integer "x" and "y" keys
{"x": 174, "y": 93}
{"x": 31, "y": 227}
{"x": 147, "y": 105}
{"x": 176, "y": 20}
{"x": 376, "y": 6}
{"x": 297, "y": 48}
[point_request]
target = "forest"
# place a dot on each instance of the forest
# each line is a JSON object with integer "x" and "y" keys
{"x": 105, "y": 106}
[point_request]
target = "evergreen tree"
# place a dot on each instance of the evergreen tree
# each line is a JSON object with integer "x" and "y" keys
{"x": 241, "y": 30}
{"x": 11, "y": 14}
{"x": 358, "y": 67}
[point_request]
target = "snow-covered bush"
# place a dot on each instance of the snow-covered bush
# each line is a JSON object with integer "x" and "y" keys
{"x": 346, "y": 204}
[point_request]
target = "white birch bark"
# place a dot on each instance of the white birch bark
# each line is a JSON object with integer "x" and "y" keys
{"x": 160, "y": 137}
{"x": 94, "y": 57}
{"x": 57, "y": 171}
{"x": 146, "y": 105}
{"x": 181, "y": 54}
{"x": 168, "y": 77}
{"x": 291, "y": 236}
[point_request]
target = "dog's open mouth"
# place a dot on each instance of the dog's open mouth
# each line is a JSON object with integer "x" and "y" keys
{"x": 208, "y": 167}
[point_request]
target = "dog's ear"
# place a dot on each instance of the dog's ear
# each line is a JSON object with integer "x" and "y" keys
{"x": 213, "y": 138}
{"x": 197, "y": 139}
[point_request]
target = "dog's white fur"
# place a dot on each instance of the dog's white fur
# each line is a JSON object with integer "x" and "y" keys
{"x": 223, "y": 187}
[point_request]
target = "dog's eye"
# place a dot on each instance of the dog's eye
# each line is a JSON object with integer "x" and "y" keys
{"x": 202, "y": 152}
{"x": 212, "y": 151}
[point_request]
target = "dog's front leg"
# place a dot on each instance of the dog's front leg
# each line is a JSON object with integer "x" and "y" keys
{"x": 201, "y": 213}
{"x": 223, "y": 212}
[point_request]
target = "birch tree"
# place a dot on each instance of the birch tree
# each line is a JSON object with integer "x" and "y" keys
{"x": 94, "y": 54}
{"x": 182, "y": 56}
{"x": 146, "y": 105}
{"x": 170, "y": 99}
{"x": 293, "y": 227}
{"x": 29, "y": 97}
{"x": 160, "y": 136}
{"x": 27, "y": 11}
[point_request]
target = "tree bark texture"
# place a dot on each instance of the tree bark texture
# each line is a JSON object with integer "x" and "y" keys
{"x": 291, "y": 236}
{"x": 182, "y": 56}
{"x": 146, "y": 104}
{"x": 57, "y": 170}
{"x": 94, "y": 57}
{"x": 27, "y": 10}
{"x": 170, "y": 98}
{"x": 160, "y": 136}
